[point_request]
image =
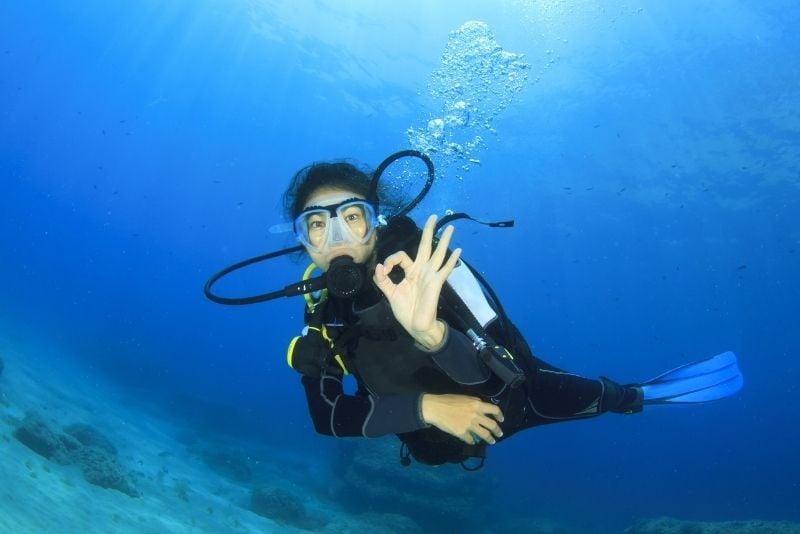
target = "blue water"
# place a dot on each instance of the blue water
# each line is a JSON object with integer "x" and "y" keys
{"x": 651, "y": 162}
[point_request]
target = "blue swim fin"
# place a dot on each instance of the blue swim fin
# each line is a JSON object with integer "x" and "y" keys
{"x": 703, "y": 381}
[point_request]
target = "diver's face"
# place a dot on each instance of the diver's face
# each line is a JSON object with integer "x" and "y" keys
{"x": 349, "y": 223}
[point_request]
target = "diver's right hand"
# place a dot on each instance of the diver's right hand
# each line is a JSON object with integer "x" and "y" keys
{"x": 415, "y": 299}
{"x": 464, "y": 417}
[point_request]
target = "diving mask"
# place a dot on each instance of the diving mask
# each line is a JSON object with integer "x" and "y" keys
{"x": 351, "y": 221}
{"x": 316, "y": 240}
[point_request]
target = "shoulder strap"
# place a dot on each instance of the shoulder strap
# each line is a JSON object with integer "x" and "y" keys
{"x": 453, "y": 216}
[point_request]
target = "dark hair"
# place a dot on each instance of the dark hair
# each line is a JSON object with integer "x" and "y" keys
{"x": 339, "y": 175}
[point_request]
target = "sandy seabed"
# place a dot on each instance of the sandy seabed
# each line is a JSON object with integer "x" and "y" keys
{"x": 176, "y": 491}
{"x": 153, "y": 480}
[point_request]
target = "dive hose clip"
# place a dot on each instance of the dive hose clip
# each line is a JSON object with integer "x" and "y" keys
{"x": 499, "y": 360}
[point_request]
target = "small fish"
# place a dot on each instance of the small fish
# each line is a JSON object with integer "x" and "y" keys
{"x": 742, "y": 267}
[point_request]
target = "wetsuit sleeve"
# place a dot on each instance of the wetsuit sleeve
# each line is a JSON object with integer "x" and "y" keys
{"x": 459, "y": 359}
{"x": 361, "y": 415}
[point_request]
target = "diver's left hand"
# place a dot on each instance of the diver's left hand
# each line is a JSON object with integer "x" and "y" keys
{"x": 415, "y": 299}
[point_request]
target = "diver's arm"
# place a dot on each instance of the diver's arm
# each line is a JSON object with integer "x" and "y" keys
{"x": 458, "y": 358}
{"x": 361, "y": 415}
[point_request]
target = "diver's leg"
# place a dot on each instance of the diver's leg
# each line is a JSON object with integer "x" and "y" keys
{"x": 552, "y": 394}
{"x": 556, "y": 395}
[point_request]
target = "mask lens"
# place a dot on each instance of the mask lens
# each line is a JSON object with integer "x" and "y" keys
{"x": 351, "y": 221}
{"x": 357, "y": 218}
{"x": 311, "y": 228}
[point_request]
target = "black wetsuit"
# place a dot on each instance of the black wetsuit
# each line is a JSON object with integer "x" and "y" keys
{"x": 392, "y": 372}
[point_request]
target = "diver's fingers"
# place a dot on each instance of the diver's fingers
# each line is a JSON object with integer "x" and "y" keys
{"x": 452, "y": 261}
{"x": 381, "y": 279}
{"x": 484, "y": 434}
{"x": 493, "y": 411}
{"x": 484, "y": 425}
{"x": 441, "y": 247}
{"x": 381, "y": 276}
{"x": 491, "y": 426}
{"x": 469, "y": 438}
{"x": 475, "y": 435}
{"x": 424, "y": 252}
{"x": 481, "y": 432}
{"x": 399, "y": 258}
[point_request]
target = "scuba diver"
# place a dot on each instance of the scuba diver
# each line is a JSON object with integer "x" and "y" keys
{"x": 435, "y": 358}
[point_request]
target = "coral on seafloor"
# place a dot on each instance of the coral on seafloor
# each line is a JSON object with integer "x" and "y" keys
{"x": 39, "y": 436}
{"x": 80, "y": 445}
{"x": 90, "y": 437}
{"x": 666, "y": 525}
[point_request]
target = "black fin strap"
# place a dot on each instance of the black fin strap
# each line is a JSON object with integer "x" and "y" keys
{"x": 461, "y": 215}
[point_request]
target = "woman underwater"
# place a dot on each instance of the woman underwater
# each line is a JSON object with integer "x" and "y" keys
{"x": 435, "y": 359}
